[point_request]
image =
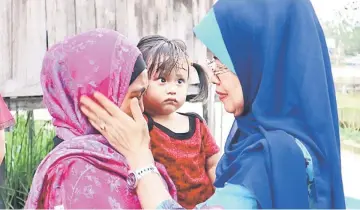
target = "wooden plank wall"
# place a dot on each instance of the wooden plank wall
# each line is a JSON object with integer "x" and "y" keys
{"x": 29, "y": 27}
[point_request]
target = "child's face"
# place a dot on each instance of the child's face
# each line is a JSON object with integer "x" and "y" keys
{"x": 167, "y": 93}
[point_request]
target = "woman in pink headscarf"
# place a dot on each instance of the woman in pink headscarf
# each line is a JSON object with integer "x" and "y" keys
{"x": 85, "y": 171}
{"x": 6, "y": 120}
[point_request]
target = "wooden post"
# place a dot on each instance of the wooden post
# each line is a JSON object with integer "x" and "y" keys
{"x": 31, "y": 129}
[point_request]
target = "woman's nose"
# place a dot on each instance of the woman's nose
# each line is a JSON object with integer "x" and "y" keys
{"x": 215, "y": 80}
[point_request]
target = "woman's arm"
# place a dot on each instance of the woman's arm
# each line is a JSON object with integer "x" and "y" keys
{"x": 75, "y": 183}
{"x": 150, "y": 189}
{"x": 153, "y": 194}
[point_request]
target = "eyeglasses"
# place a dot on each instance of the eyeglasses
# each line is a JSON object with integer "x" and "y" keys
{"x": 217, "y": 67}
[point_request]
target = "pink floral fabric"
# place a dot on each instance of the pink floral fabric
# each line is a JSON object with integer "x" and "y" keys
{"x": 6, "y": 119}
{"x": 85, "y": 171}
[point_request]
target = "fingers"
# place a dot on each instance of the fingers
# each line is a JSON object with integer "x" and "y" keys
{"x": 103, "y": 122}
{"x": 136, "y": 110}
{"x": 110, "y": 123}
{"x": 97, "y": 127}
{"x": 105, "y": 132}
{"x": 111, "y": 133}
{"x": 94, "y": 110}
{"x": 109, "y": 106}
{"x": 90, "y": 115}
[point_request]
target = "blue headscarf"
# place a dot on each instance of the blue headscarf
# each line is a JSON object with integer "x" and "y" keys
{"x": 278, "y": 51}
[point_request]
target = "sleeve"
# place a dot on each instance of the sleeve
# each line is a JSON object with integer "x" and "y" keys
{"x": 208, "y": 142}
{"x": 76, "y": 184}
{"x": 230, "y": 197}
{"x": 6, "y": 119}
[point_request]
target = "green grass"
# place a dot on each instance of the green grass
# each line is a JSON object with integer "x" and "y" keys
{"x": 26, "y": 146}
{"x": 348, "y": 134}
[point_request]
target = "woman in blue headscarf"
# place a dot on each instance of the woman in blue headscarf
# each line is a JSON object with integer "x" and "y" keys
{"x": 283, "y": 150}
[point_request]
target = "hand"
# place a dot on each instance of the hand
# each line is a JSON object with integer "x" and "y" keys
{"x": 129, "y": 136}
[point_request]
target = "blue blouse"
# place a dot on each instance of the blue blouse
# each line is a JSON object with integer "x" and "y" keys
{"x": 233, "y": 196}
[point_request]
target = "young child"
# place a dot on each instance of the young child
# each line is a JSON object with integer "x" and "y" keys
{"x": 180, "y": 141}
{"x": 6, "y": 120}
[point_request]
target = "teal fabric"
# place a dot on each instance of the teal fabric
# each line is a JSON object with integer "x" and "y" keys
{"x": 231, "y": 196}
{"x": 209, "y": 33}
{"x": 309, "y": 173}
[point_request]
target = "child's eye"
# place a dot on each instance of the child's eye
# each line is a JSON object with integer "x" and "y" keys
{"x": 181, "y": 81}
{"x": 162, "y": 80}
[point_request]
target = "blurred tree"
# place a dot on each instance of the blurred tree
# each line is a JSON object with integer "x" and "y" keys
{"x": 344, "y": 27}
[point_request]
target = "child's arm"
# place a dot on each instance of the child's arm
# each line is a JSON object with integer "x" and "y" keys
{"x": 211, "y": 149}
{"x": 211, "y": 164}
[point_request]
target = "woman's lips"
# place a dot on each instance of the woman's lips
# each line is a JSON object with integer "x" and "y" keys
{"x": 221, "y": 95}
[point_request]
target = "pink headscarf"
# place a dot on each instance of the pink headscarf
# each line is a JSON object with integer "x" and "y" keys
{"x": 84, "y": 166}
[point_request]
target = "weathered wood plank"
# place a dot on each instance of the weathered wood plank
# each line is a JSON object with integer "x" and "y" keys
{"x": 85, "y": 15}
{"x": 29, "y": 47}
{"x": 105, "y": 14}
{"x": 150, "y": 17}
{"x": 60, "y": 20}
{"x": 122, "y": 16}
{"x": 134, "y": 18}
{"x": 5, "y": 44}
{"x": 183, "y": 22}
{"x": 199, "y": 8}
{"x": 127, "y": 24}
{"x": 24, "y": 103}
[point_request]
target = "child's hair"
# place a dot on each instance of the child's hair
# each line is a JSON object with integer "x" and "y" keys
{"x": 163, "y": 56}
